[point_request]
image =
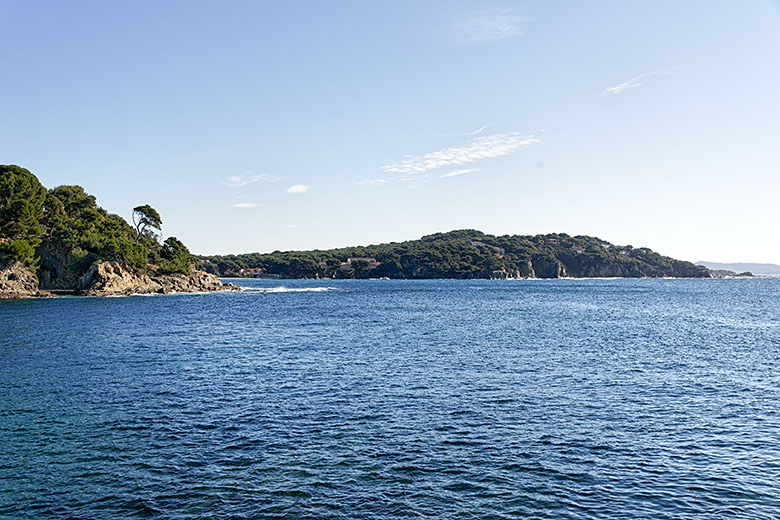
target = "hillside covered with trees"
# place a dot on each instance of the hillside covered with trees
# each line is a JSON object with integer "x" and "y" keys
{"x": 462, "y": 254}
{"x": 59, "y": 234}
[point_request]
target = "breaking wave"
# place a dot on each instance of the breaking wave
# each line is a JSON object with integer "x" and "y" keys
{"x": 284, "y": 289}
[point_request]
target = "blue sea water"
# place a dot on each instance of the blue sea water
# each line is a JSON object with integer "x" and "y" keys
{"x": 396, "y": 399}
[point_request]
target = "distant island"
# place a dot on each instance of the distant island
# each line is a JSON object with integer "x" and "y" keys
{"x": 462, "y": 254}
{"x": 743, "y": 267}
{"x": 60, "y": 241}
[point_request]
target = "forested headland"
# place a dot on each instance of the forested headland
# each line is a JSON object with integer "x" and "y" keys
{"x": 63, "y": 238}
{"x": 60, "y": 239}
{"x": 461, "y": 254}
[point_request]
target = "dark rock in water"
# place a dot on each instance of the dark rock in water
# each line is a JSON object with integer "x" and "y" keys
{"x": 744, "y": 267}
{"x": 725, "y": 273}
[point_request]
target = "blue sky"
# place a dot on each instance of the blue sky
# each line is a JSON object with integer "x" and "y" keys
{"x": 261, "y": 126}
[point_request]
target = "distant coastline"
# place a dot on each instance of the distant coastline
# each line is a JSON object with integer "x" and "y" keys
{"x": 741, "y": 267}
{"x": 461, "y": 254}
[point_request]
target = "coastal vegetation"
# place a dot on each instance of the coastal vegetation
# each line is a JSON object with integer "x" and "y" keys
{"x": 64, "y": 239}
{"x": 461, "y": 254}
{"x": 59, "y": 234}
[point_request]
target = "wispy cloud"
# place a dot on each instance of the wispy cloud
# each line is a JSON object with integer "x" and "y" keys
{"x": 453, "y": 173}
{"x": 488, "y": 26}
{"x": 245, "y": 205}
{"x": 487, "y": 147}
{"x": 416, "y": 170}
{"x": 295, "y": 189}
{"x": 632, "y": 83}
{"x": 237, "y": 181}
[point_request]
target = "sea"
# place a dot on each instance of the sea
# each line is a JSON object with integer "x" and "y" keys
{"x": 384, "y": 399}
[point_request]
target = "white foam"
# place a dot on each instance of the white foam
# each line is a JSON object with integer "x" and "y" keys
{"x": 284, "y": 289}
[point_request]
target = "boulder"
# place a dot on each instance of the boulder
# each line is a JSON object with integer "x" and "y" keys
{"x": 17, "y": 281}
{"x": 195, "y": 281}
{"x": 114, "y": 279}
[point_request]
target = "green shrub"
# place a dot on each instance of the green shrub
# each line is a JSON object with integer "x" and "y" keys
{"x": 174, "y": 257}
{"x": 19, "y": 251}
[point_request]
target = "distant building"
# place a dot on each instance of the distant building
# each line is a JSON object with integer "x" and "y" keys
{"x": 251, "y": 272}
{"x": 368, "y": 259}
{"x": 372, "y": 263}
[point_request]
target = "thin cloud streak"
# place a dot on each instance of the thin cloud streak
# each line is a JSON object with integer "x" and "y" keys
{"x": 632, "y": 83}
{"x": 488, "y": 26}
{"x": 245, "y": 205}
{"x": 417, "y": 170}
{"x": 458, "y": 172}
{"x": 487, "y": 147}
{"x": 237, "y": 181}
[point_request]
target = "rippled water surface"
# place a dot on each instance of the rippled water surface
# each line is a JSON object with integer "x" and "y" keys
{"x": 394, "y": 399}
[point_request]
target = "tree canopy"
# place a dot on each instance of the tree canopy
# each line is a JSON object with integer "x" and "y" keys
{"x": 465, "y": 253}
{"x": 146, "y": 220}
{"x": 65, "y": 231}
{"x": 21, "y": 210}
{"x": 174, "y": 257}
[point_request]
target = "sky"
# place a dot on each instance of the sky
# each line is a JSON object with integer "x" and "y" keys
{"x": 261, "y": 126}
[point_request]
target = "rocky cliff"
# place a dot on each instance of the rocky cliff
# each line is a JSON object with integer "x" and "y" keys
{"x": 104, "y": 279}
{"x": 60, "y": 241}
{"x": 115, "y": 279}
{"x": 17, "y": 281}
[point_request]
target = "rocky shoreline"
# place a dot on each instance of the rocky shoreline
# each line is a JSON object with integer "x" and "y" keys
{"x": 108, "y": 279}
{"x": 17, "y": 281}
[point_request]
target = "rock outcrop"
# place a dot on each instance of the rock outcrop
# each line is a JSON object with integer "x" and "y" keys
{"x": 547, "y": 266}
{"x": 115, "y": 279}
{"x": 196, "y": 281}
{"x": 725, "y": 273}
{"x": 103, "y": 279}
{"x": 17, "y": 281}
{"x": 61, "y": 268}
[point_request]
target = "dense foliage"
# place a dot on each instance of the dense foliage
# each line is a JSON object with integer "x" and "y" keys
{"x": 462, "y": 254}
{"x": 174, "y": 257}
{"x": 63, "y": 231}
{"x": 21, "y": 209}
